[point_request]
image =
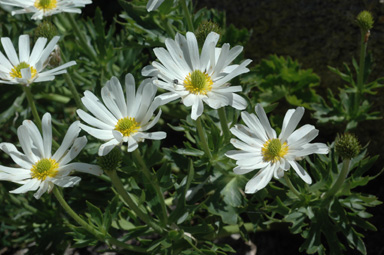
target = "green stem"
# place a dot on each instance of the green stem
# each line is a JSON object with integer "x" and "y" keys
{"x": 31, "y": 102}
{"x": 360, "y": 77}
{"x": 74, "y": 92}
{"x": 224, "y": 123}
{"x": 154, "y": 183}
{"x": 290, "y": 185}
{"x": 101, "y": 237}
{"x": 340, "y": 180}
{"x": 127, "y": 198}
{"x": 363, "y": 50}
{"x": 204, "y": 143}
{"x": 83, "y": 40}
{"x": 187, "y": 15}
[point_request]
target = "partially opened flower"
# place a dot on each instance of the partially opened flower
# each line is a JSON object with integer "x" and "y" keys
{"x": 260, "y": 148}
{"x": 43, "y": 8}
{"x": 37, "y": 168}
{"x": 28, "y": 67}
{"x": 153, "y": 4}
{"x": 122, "y": 119}
{"x": 198, "y": 77}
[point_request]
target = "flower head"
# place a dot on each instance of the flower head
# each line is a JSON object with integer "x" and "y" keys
{"x": 260, "y": 148}
{"x": 121, "y": 119}
{"x": 28, "y": 66}
{"x": 43, "y": 8}
{"x": 198, "y": 77}
{"x": 37, "y": 168}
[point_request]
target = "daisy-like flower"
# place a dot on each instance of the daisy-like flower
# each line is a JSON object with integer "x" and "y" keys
{"x": 153, "y": 4}
{"x": 121, "y": 119}
{"x": 38, "y": 168}
{"x": 195, "y": 77}
{"x": 43, "y": 8}
{"x": 28, "y": 66}
{"x": 260, "y": 148}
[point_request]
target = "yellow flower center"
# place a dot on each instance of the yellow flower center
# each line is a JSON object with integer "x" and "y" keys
{"x": 16, "y": 70}
{"x": 127, "y": 126}
{"x": 273, "y": 150}
{"x": 198, "y": 83}
{"x": 46, "y": 5}
{"x": 43, "y": 168}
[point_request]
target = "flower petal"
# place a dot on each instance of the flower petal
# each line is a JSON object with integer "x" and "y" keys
{"x": 260, "y": 180}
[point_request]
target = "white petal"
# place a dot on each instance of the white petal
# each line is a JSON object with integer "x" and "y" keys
{"x": 197, "y": 108}
{"x": 66, "y": 181}
{"x": 78, "y": 145}
{"x": 130, "y": 90}
{"x": 35, "y": 136}
{"x": 109, "y": 101}
{"x": 87, "y": 118}
{"x": 31, "y": 184}
{"x": 265, "y": 122}
{"x": 26, "y": 143}
{"x": 43, "y": 188}
{"x": 193, "y": 50}
{"x": 105, "y": 148}
{"x": 47, "y": 51}
{"x": 132, "y": 144}
{"x": 291, "y": 124}
{"x": 83, "y": 168}
{"x": 246, "y": 169}
{"x": 245, "y": 147}
{"x": 300, "y": 171}
{"x": 24, "y": 48}
{"x": 19, "y": 158}
{"x": 93, "y": 104}
{"x": 37, "y": 50}
{"x": 255, "y": 125}
{"x": 260, "y": 180}
{"x": 69, "y": 138}
{"x": 149, "y": 71}
{"x": 118, "y": 94}
{"x": 10, "y": 50}
{"x": 47, "y": 135}
{"x": 209, "y": 45}
{"x": 152, "y": 136}
{"x": 104, "y": 135}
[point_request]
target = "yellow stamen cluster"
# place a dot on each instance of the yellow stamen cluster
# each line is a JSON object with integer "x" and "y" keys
{"x": 46, "y": 5}
{"x": 127, "y": 126}
{"x": 16, "y": 71}
{"x": 198, "y": 83}
{"x": 43, "y": 168}
{"x": 273, "y": 150}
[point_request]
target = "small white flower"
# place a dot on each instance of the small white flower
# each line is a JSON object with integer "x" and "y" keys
{"x": 28, "y": 66}
{"x": 195, "y": 77}
{"x": 38, "y": 168}
{"x": 43, "y": 8}
{"x": 260, "y": 148}
{"x": 153, "y": 4}
{"x": 121, "y": 119}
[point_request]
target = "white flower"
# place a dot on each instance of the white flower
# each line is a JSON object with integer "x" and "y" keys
{"x": 196, "y": 77}
{"x": 28, "y": 66}
{"x": 38, "y": 168}
{"x": 43, "y": 8}
{"x": 260, "y": 148}
{"x": 121, "y": 119}
{"x": 153, "y": 4}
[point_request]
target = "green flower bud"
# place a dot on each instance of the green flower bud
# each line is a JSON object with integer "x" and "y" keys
{"x": 45, "y": 29}
{"x": 365, "y": 20}
{"x": 204, "y": 29}
{"x": 347, "y": 146}
{"x": 111, "y": 161}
